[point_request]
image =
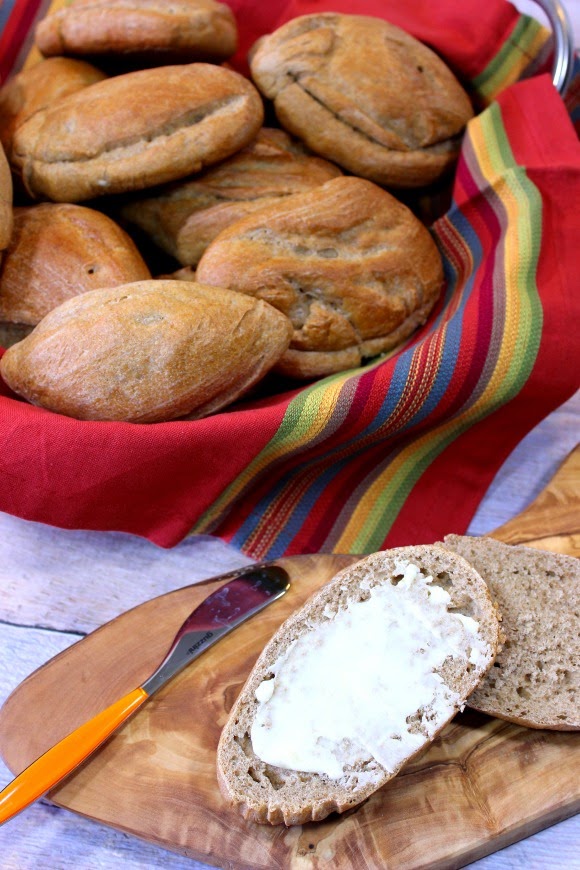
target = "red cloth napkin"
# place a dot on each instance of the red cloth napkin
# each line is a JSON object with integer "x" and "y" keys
{"x": 402, "y": 450}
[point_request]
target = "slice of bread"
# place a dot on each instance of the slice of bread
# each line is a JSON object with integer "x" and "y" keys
{"x": 355, "y": 683}
{"x": 535, "y": 680}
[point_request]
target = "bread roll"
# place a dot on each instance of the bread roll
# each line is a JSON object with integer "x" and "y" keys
{"x": 186, "y": 273}
{"x": 136, "y": 130}
{"x": 37, "y": 86}
{"x": 5, "y": 202}
{"x": 365, "y": 95}
{"x": 536, "y": 678}
{"x": 144, "y": 30}
{"x": 355, "y": 683}
{"x": 185, "y": 217}
{"x": 58, "y": 251}
{"x": 351, "y": 267}
{"x": 146, "y": 352}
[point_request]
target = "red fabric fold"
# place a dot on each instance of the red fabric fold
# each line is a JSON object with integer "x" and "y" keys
{"x": 236, "y": 473}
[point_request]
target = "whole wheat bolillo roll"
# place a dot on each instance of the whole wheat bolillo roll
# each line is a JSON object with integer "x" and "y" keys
{"x": 146, "y": 30}
{"x": 59, "y": 250}
{"x": 186, "y": 216}
{"x": 136, "y": 130}
{"x": 352, "y": 268}
{"x": 146, "y": 352}
{"x": 364, "y": 94}
{"x": 37, "y": 87}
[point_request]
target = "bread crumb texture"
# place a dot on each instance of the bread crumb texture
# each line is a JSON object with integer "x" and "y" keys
{"x": 535, "y": 680}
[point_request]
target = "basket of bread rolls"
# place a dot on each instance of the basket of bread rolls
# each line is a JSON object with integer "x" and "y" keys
{"x": 236, "y": 242}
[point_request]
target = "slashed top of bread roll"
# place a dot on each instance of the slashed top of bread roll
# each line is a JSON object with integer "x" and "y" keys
{"x": 354, "y": 270}
{"x": 146, "y": 352}
{"x": 364, "y": 94}
{"x": 59, "y": 250}
{"x": 37, "y": 86}
{"x": 185, "y": 217}
{"x": 355, "y": 683}
{"x": 536, "y": 678}
{"x": 136, "y": 130}
{"x": 183, "y": 30}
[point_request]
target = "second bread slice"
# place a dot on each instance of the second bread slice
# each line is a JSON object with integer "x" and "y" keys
{"x": 535, "y": 680}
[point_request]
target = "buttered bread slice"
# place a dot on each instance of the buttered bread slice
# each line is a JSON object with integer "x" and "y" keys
{"x": 355, "y": 683}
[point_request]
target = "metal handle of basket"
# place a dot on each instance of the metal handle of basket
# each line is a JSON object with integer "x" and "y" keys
{"x": 562, "y": 67}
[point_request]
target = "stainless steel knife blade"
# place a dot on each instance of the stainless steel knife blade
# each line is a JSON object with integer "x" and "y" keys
{"x": 237, "y": 600}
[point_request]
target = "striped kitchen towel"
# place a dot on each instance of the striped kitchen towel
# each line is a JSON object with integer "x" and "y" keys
{"x": 403, "y": 449}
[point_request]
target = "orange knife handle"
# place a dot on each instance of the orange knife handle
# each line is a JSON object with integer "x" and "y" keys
{"x": 63, "y": 757}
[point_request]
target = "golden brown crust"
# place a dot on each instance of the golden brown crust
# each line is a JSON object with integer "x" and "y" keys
{"x": 351, "y": 267}
{"x": 146, "y": 352}
{"x": 365, "y": 95}
{"x": 58, "y": 251}
{"x": 38, "y": 86}
{"x": 5, "y": 202}
{"x": 185, "y": 217}
{"x": 183, "y": 30}
{"x": 308, "y": 364}
{"x": 136, "y": 130}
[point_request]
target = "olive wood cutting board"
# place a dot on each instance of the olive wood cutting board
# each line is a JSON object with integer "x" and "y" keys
{"x": 483, "y": 784}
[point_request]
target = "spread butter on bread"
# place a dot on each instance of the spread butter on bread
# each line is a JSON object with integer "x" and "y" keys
{"x": 535, "y": 680}
{"x": 355, "y": 683}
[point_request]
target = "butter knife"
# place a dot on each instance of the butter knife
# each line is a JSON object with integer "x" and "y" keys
{"x": 245, "y": 593}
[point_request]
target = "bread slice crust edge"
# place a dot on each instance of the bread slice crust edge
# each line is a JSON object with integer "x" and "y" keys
{"x": 265, "y": 793}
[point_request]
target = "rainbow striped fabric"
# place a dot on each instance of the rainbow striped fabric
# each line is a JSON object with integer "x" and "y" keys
{"x": 370, "y": 459}
{"x": 401, "y": 450}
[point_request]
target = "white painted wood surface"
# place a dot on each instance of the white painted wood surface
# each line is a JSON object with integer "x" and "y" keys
{"x": 55, "y": 586}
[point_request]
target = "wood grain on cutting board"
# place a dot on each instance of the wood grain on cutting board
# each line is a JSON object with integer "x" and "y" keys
{"x": 483, "y": 784}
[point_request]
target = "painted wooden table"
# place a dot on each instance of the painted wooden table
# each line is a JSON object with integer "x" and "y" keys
{"x": 56, "y": 586}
